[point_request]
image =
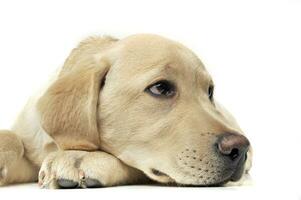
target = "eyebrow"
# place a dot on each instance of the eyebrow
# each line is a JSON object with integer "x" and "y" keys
{"x": 155, "y": 72}
{"x": 150, "y": 74}
{"x": 158, "y": 67}
{"x": 201, "y": 76}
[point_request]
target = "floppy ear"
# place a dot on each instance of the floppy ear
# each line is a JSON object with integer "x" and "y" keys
{"x": 69, "y": 108}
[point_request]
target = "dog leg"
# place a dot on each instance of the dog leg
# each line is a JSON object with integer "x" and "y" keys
{"x": 80, "y": 169}
{"x": 14, "y": 167}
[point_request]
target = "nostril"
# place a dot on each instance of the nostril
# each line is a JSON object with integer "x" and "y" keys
{"x": 234, "y": 154}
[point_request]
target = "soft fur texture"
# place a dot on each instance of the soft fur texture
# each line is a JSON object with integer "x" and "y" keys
{"x": 94, "y": 125}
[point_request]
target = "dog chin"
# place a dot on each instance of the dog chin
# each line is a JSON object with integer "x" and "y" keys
{"x": 245, "y": 180}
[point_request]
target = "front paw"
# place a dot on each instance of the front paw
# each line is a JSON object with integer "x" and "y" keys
{"x": 80, "y": 169}
{"x": 69, "y": 169}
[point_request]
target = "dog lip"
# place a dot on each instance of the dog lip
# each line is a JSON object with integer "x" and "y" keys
{"x": 158, "y": 173}
{"x": 235, "y": 174}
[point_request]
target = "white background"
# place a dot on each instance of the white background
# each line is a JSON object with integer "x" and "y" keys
{"x": 251, "y": 48}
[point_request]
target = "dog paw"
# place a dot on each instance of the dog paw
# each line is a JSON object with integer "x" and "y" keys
{"x": 79, "y": 169}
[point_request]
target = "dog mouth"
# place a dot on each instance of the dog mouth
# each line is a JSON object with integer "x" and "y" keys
{"x": 233, "y": 175}
{"x": 158, "y": 173}
{"x": 236, "y": 176}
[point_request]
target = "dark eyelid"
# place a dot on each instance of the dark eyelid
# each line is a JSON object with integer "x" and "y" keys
{"x": 162, "y": 80}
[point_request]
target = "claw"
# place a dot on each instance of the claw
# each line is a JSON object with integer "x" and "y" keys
{"x": 82, "y": 178}
{"x": 81, "y": 174}
{"x": 41, "y": 178}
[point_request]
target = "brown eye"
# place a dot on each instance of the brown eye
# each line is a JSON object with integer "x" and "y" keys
{"x": 211, "y": 92}
{"x": 163, "y": 89}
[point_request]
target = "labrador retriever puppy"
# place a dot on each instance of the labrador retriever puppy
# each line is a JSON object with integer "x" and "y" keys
{"x": 125, "y": 112}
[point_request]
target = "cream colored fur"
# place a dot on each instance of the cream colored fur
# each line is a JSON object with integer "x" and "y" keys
{"x": 93, "y": 120}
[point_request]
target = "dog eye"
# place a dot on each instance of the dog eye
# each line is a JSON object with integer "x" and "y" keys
{"x": 210, "y": 92}
{"x": 161, "y": 89}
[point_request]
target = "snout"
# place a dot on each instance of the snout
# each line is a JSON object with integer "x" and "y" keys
{"x": 215, "y": 160}
{"x": 233, "y": 148}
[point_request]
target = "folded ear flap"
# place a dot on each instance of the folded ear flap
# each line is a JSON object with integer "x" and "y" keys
{"x": 69, "y": 108}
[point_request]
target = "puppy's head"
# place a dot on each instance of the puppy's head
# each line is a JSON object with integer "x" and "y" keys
{"x": 150, "y": 102}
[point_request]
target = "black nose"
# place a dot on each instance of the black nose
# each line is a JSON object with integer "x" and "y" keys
{"x": 233, "y": 146}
